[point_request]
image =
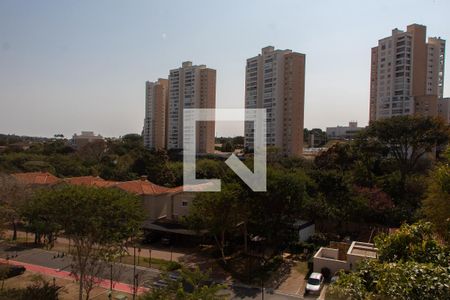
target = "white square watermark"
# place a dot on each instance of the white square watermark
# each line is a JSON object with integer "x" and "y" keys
{"x": 255, "y": 180}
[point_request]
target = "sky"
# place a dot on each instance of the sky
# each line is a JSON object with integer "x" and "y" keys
{"x": 68, "y": 66}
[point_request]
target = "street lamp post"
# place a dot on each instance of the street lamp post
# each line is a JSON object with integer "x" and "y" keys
{"x": 150, "y": 257}
{"x": 134, "y": 272}
{"x": 110, "y": 281}
{"x": 262, "y": 289}
{"x": 139, "y": 255}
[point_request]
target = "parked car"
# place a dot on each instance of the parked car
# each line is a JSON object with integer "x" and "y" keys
{"x": 315, "y": 283}
{"x": 160, "y": 284}
{"x": 9, "y": 271}
{"x": 175, "y": 276}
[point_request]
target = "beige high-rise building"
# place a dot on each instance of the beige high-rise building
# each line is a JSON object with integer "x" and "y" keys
{"x": 191, "y": 87}
{"x": 407, "y": 74}
{"x": 155, "y": 123}
{"x": 275, "y": 80}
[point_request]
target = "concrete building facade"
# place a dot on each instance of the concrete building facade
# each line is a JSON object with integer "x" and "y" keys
{"x": 155, "y": 122}
{"x": 344, "y": 132}
{"x": 275, "y": 80}
{"x": 191, "y": 86}
{"x": 86, "y": 137}
{"x": 407, "y": 74}
{"x": 336, "y": 259}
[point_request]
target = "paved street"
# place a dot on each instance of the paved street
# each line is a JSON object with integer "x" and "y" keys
{"x": 156, "y": 251}
{"x": 122, "y": 273}
{"x": 253, "y": 293}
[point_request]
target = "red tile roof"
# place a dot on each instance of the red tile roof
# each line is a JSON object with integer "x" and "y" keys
{"x": 90, "y": 180}
{"x": 138, "y": 187}
{"x": 142, "y": 187}
{"x": 41, "y": 178}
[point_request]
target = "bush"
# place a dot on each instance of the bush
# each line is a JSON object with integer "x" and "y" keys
{"x": 300, "y": 247}
{"x": 319, "y": 239}
{"x": 172, "y": 266}
{"x": 39, "y": 290}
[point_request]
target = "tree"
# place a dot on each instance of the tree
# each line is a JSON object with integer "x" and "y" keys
{"x": 154, "y": 165}
{"x": 227, "y": 147}
{"x": 13, "y": 196}
{"x": 337, "y": 199}
{"x": 408, "y": 138}
{"x": 216, "y": 212}
{"x": 400, "y": 280}
{"x": 411, "y": 265}
{"x": 412, "y": 243}
{"x": 340, "y": 156}
{"x": 40, "y": 289}
{"x": 93, "y": 152}
{"x": 272, "y": 214}
{"x": 208, "y": 168}
{"x": 370, "y": 155}
{"x": 436, "y": 205}
{"x": 99, "y": 221}
{"x": 68, "y": 165}
{"x": 238, "y": 141}
{"x": 193, "y": 284}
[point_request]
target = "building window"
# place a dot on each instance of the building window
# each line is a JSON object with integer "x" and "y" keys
{"x": 184, "y": 203}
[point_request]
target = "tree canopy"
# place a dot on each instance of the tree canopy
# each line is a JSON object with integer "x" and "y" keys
{"x": 412, "y": 265}
{"x": 192, "y": 284}
{"x": 99, "y": 221}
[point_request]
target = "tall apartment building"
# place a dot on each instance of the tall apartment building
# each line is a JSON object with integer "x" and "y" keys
{"x": 191, "y": 87}
{"x": 407, "y": 74}
{"x": 155, "y": 122}
{"x": 275, "y": 80}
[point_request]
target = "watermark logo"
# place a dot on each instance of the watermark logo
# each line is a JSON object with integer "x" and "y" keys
{"x": 255, "y": 117}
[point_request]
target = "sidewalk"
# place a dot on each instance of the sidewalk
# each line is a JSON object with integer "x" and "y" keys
{"x": 104, "y": 283}
{"x": 46, "y": 262}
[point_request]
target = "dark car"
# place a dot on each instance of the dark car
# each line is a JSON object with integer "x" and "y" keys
{"x": 8, "y": 271}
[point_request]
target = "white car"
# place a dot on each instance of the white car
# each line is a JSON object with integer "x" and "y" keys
{"x": 315, "y": 283}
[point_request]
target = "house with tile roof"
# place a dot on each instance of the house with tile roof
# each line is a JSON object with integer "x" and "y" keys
{"x": 36, "y": 178}
{"x": 89, "y": 181}
{"x": 164, "y": 206}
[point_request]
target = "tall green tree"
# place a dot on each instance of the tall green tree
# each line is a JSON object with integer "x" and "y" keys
{"x": 408, "y": 138}
{"x": 13, "y": 196}
{"x": 99, "y": 222}
{"x": 217, "y": 213}
{"x": 271, "y": 214}
{"x": 436, "y": 205}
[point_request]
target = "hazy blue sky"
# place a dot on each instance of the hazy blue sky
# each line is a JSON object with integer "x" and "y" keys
{"x": 67, "y": 66}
